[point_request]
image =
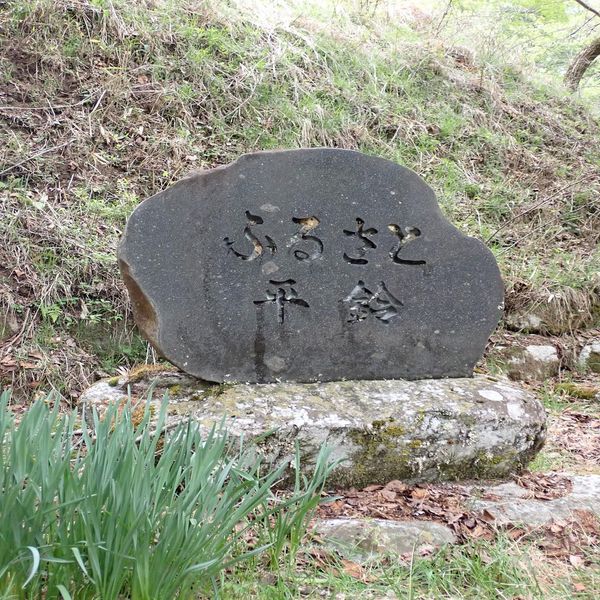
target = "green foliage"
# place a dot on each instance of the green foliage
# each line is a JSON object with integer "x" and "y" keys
{"x": 548, "y": 10}
{"x": 542, "y": 35}
{"x": 287, "y": 528}
{"x": 126, "y": 512}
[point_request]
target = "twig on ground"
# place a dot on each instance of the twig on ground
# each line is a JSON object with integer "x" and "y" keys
{"x": 36, "y": 155}
{"x": 49, "y": 107}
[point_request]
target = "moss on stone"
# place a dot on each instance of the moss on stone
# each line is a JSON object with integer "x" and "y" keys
{"x": 214, "y": 391}
{"x": 420, "y": 417}
{"x": 380, "y": 457}
{"x": 175, "y": 389}
{"x": 575, "y": 390}
{"x": 113, "y": 381}
{"x": 143, "y": 372}
{"x": 393, "y": 431}
{"x": 383, "y": 455}
{"x": 139, "y": 413}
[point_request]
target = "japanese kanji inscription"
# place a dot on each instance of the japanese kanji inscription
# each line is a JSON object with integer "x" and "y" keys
{"x": 308, "y": 265}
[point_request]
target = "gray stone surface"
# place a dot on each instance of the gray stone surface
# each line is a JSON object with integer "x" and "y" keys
{"x": 589, "y": 358}
{"x": 528, "y": 363}
{"x": 515, "y": 504}
{"x": 428, "y": 430}
{"x": 8, "y": 324}
{"x": 362, "y": 540}
{"x": 308, "y": 265}
{"x": 528, "y": 322}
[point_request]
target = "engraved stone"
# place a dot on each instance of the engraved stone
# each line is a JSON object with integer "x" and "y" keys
{"x": 308, "y": 265}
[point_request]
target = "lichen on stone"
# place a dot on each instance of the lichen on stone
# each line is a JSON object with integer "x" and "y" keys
{"x": 427, "y": 430}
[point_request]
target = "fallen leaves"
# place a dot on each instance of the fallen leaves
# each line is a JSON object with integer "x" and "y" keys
{"x": 563, "y": 540}
{"x": 352, "y": 569}
{"x": 399, "y": 501}
{"x": 545, "y": 486}
{"x": 576, "y": 433}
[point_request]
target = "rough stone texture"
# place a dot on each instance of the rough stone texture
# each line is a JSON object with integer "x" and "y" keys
{"x": 365, "y": 539}
{"x": 362, "y": 540}
{"x": 428, "y": 430}
{"x": 514, "y": 504}
{"x": 528, "y": 363}
{"x": 8, "y": 324}
{"x": 309, "y": 265}
{"x": 527, "y": 322}
{"x": 589, "y": 358}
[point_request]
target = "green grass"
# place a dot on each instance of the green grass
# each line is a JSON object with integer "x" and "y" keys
{"x": 124, "y": 512}
{"x": 478, "y": 569}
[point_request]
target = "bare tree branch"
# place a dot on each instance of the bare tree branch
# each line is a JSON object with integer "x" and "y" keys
{"x": 590, "y": 8}
{"x": 580, "y": 64}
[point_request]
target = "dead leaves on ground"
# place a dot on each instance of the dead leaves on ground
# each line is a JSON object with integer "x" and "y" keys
{"x": 565, "y": 540}
{"x": 399, "y": 501}
{"x": 447, "y": 504}
{"x": 578, "y": 434}
{"x": 545, "y": 486}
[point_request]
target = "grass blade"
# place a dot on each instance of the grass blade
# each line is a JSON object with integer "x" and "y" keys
{"x": 34, "y": 567}
{"x": 64, "y": 592}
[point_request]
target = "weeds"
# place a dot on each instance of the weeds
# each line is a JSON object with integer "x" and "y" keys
{"x": 124, "y": 512}
{"x": 287, "y": 528}
{"x": 478, "y": 569}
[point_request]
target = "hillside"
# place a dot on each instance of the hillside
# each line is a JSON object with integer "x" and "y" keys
{"x": 105, "y": 103}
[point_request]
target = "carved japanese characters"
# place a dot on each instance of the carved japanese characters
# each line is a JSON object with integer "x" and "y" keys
{"x": 308, "y": 265}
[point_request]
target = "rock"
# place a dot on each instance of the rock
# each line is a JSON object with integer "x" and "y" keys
{"x": 589, "y": 358}
{"x": 578, "y": 390}
{"x": 8, "y": 324}
{"x": 428, "y": 430}
{"x": 514, "y": 504}
{"x": 362, "y": 540}
{"x": 527, "y": 322}
{"x": 308, "y": 265}
{"x": 527, "y": 363}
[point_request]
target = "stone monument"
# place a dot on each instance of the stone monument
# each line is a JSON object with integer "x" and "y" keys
{"x": 323, "y": 282}
{"x": 309, "y": 265}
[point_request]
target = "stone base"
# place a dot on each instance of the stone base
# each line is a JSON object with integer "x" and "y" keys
{"x": 416, "y": 431}
{"x": 511, "y": 503}
{"x": 362, "y": 540}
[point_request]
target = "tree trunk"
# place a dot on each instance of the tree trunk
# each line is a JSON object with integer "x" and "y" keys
{"x": 581, "y": 63}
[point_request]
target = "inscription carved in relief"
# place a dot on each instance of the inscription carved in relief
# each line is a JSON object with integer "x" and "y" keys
{"x": 306, "y": 225}
{"x": 404, "y": 237}
{"x": 258, "y": 247}
{"x": 364, "y": 242}
{"x": 308, "y": 265}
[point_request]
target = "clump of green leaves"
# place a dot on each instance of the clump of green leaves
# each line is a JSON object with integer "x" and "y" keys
{"x": 123, "y": 512}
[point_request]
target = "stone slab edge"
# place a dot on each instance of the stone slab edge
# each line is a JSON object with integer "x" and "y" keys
{"x": 427, "y": 430}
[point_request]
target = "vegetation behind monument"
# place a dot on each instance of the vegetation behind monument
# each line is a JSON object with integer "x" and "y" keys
{"x": 105, "y": 103}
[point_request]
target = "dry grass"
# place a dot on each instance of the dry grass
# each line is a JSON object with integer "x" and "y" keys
{"x": 104, "y": 103}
